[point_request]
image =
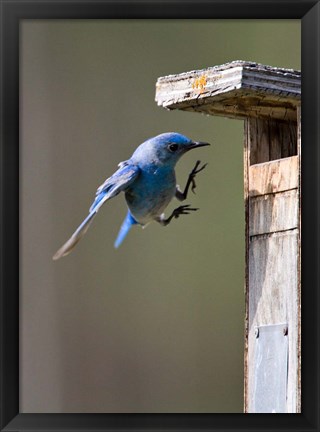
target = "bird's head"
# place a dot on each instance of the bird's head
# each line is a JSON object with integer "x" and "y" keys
{"x": 166, "y": 148}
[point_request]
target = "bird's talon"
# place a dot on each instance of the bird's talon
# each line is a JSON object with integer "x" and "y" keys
{"x": 200, "y": 169}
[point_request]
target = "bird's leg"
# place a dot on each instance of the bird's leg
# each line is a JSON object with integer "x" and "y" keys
{"x": 181, "y": 196}
{"x": 182, "y": 210}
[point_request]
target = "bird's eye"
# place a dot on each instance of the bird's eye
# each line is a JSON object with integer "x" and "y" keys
{"x": 173, "y": 147}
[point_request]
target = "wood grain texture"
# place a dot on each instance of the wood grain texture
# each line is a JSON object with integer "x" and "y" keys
{"x": 273, "y": 299}
{"x": 274, "y": 176}
{"x": 273, "y": 212}
{"x": 238, "y": 90}
{"x": 273, "y": 243}
{"x": 246, "y": 154}
{"x": 271, "y": 139}
{"x": 298, "y": 305}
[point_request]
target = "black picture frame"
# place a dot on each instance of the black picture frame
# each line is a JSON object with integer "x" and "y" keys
{"x": 11, "y": 13}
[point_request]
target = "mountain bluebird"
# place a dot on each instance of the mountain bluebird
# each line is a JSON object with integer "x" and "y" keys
{"x": 149, "y": 183}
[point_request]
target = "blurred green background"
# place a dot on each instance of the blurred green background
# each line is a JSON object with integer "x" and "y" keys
{"x": 156, "y": 326}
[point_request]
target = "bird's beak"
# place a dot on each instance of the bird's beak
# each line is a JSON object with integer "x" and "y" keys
{"x": 196, "y": 144}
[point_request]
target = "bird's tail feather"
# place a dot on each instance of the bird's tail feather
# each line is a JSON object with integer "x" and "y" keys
{"x": 99, "y": 200}
{"x": 125, "y": 228}
{"x": 102, "y": 197}
{"x": 75, "y": 238}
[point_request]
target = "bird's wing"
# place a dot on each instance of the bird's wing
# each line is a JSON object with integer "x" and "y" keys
{"x": 118, "y": 182}
{"x": 115, "y": 184}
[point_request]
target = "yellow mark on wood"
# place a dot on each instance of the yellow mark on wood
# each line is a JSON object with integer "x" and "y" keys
{"x": 200, "y": 83}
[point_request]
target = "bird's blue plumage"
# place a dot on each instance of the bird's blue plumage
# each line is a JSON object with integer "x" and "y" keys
{"x": 149, "y": 183}
{"x": 119, "y": 181}
{"x": 125, "y": 228}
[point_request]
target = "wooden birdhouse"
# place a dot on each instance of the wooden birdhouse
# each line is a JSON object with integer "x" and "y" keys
{"x": 268, "y": 99}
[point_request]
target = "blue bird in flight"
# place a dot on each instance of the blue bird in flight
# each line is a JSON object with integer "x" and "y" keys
{"x": 149, "y": 183}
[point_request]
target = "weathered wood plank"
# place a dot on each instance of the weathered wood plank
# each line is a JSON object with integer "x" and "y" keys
{"x": 238, "y": 89}
{"x": 273, "y": 212}
{"x": 246, "y": 166}
{"x": 260, "y": 141}
{"x": 297, "y": 390}
{"x": 271, "y": 139}
{"x": 272, "y": 243}
{"x": 273, "y": 299}
{"x": 239, "y": 105}
{"x": 274, "y": 176}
